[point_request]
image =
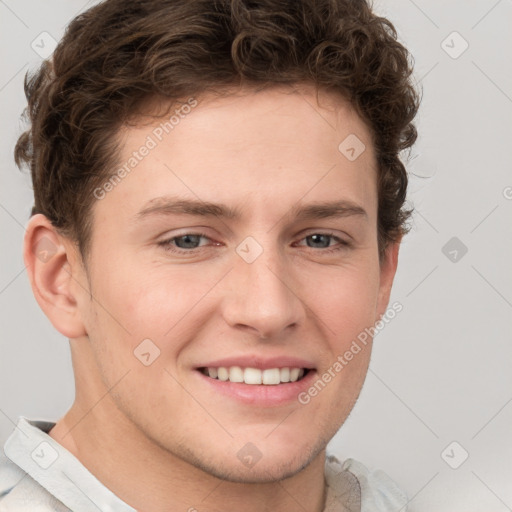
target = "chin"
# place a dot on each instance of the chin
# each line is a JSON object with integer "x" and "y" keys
{"x": 268, "y": 468}
{"x": 268, "y": 472}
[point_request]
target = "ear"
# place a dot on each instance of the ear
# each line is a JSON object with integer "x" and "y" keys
{"x": 388, "y": 266}
{"x": 54, "y": 269}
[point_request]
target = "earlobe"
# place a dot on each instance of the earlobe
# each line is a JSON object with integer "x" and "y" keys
{"x": 51, "y": 267}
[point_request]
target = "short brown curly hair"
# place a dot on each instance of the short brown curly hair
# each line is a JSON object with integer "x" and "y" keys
{"x": 120, "y": 54}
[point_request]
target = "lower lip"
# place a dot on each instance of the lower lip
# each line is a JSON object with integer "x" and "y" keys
{"x": 260, "y": 394}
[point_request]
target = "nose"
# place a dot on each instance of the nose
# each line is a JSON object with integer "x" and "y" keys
{"x": 263, "y": 296}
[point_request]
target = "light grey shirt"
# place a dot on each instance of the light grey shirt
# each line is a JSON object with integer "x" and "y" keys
{"x": 37, "y": 474}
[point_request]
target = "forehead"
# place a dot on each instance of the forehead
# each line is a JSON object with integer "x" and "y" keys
{"x": 250, "y": 149}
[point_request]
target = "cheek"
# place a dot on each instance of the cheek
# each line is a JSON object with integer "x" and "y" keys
{"x": 346, "y": 302}
{"x": 148, "y": 302}
{"x": 135, "y": 304}
{"x": 351, "y": 304}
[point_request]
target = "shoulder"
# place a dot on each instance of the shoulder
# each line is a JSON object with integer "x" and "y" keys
{"x": 378, "y": 492}
{"x": 19, "y": 492}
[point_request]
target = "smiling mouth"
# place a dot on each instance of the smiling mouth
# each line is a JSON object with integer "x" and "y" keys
{"x": 255, "y": 376}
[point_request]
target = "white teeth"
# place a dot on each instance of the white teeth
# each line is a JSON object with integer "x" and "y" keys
{"x": 223, "y": 373}
{"x": 252, "y": 376}
{"x": 285, "y": 374}
{"x": 294, "y": 374}
{"x": 269, "y": 376}
{"x": 236, "y": 374}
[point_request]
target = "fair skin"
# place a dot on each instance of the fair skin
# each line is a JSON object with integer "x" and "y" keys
{"x": 165, "y": 436}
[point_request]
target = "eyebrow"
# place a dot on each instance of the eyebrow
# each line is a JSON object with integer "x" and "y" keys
{"x": 178, "y": 206}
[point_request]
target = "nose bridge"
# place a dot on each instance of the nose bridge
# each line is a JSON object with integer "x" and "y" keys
{"x": 262, "y": 290}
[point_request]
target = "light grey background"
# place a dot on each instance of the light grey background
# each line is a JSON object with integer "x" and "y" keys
{"x": 440, "y": 371}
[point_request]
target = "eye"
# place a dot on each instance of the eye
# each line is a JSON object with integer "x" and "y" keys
{"x": 322, "y": 241}
{"x": 185, "y": 243}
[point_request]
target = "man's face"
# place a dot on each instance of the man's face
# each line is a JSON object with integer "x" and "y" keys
{"x": 266, "y": 289}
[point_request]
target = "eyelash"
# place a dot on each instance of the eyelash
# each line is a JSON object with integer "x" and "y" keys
{"x": 166, "y": 244}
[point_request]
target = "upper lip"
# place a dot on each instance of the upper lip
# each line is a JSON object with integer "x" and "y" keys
{"x": 262, "y": 363}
